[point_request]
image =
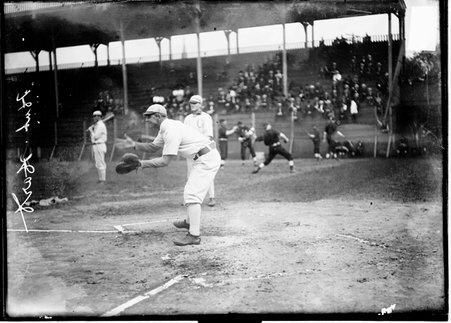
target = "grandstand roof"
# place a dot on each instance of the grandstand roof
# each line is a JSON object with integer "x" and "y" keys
{"x": 43, "y": 26}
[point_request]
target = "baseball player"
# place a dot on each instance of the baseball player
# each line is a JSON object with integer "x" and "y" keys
{"x": 271, "y": 138}
{"x": 316, "y": 138}
{"x": 98, "y": 139}
{"x": 223, "y": 135}
{"x": 329, "y": 131}
{"x": 245, "y": 135}
{"x": 175, "y": 138}
{"x": 202, "y": 122}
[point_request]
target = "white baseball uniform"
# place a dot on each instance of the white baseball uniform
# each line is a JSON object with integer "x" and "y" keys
{"x": 98, "y": 140}
{"x": 204, "y": 124}
{"x": 177, "y": 138}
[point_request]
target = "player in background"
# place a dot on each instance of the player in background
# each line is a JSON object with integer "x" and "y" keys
{"x": 203, "y": 123}
{"x": 98, "y": 139}
{"x": 329, "y": 131}
{"x": 223, "y": 134}
{"x": 271, "y": 138}
{"x": 316, "y": 138}
{"x": 245, "y": 136}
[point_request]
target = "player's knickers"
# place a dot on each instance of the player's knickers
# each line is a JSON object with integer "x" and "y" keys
{"x": 201, "y": 176}
{"x": 99, "y": 151}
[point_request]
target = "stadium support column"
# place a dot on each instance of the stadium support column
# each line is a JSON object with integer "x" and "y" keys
{"x": 94, "y": 50}
{"x": 199, "y": 60}
{"x": 35, "y": 55}
{"x": 170, "y": 48}
{"x": 55, "y": 78}
{"x": 284, "y": 64}
{"x": 227, "y": 33}
{"x": 237, "y": 42}
{"x": 390, "y": 80}
{"x": 124, "y": 69}
{"x": 313, "y": 34}
{"x": 108, "y": 54}
{"x": 159, "y": 40}
{"x": 305, "y": 24}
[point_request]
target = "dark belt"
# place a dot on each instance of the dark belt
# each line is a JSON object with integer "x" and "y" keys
{"x": 201, "y": 152}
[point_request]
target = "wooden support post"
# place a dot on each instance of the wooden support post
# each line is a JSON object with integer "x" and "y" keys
{"x": 84, "y": 140}
{"x": 291, "y": 132}
{"x": 375, "y": 142}
{"x": 114, "y": 138}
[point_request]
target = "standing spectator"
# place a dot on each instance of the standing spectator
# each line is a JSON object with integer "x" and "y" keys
{"x": 176, "y": 138}
{"x": 223, "y": 134}
{"x": 271, "y": 138}
{"x": 98, "y": 139}
{"x": 245, "y": 137}
{"x": 329, "y": 131}
{"x": 203, "y": 123}
{"x": 353, "y": 108}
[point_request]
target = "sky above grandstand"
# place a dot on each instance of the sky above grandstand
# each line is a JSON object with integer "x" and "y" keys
{"x": 422, "y": 33}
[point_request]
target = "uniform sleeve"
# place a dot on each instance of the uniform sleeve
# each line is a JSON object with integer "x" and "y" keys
{"x": 172, "y": 139}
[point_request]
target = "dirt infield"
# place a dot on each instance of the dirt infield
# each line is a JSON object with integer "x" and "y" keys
{"x": 347, "y": 236}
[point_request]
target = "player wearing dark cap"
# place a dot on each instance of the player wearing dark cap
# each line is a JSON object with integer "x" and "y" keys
{"x": 271, "y": 138}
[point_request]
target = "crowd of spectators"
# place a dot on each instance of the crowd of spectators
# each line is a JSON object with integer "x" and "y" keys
{"x": 107, "y": 103}
{"x": 338, "y": 92}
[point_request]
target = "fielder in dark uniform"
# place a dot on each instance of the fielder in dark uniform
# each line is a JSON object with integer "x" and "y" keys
{"x": 245, "y": 135}
{"x": 316, "y": 138}
{"x": 329, "y": 131}
{"x": 223, "y": 135}
{"x": 271, "y": 138}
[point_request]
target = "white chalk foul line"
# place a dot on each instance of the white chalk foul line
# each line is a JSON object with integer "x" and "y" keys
{"x": 362, "y": 240}
{"x": 136, "y": 300}
{"x": 64, "y": 231}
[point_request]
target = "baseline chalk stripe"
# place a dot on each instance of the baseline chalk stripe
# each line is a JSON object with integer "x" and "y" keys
{"x": 136, "y": 300}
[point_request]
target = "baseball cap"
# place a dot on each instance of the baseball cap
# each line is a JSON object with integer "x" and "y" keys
{"x": 97, "y": 113}
{"x": 195, "y": 99}
{"x": 156, "y": 108}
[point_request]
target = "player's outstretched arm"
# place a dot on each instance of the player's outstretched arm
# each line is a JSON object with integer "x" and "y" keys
{"x": 162, "y": 161}
{"x": 142, "y": 146}
{"x": 285, "y": 138}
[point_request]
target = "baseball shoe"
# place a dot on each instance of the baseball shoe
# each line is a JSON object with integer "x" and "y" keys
{"x": 181, "y": 224}
{"x": 255, "y": 171}
{"x": 211, "y": 202}
{"x": 187, "y": 240}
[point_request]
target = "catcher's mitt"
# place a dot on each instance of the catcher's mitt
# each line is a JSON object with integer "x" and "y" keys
{"x": 128, "y": 163}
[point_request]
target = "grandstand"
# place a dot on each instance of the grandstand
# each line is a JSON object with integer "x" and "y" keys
{"x": 61, "y": 134}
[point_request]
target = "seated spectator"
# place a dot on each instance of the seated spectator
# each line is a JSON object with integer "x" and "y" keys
{"x": 363, "y": 92}
{"x": 279, "y": 112}
{"x": 353, "y": 64}
{"x": 370, "y": 96}
{"x": 403, "y": 147}
{"x": 378, "y": 73}
{"x": 264, "y": 101}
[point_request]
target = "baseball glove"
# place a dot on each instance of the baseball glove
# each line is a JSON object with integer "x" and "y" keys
{"x": 128, "y": 163}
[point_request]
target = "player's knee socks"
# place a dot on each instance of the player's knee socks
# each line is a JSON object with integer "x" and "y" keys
{"x": 261, "y": 165}
{"x": 102, "y": 174}
{"x": 194, "y": 211}
{"x": 222, "y": 162}
{"x": 291, "y": 163}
